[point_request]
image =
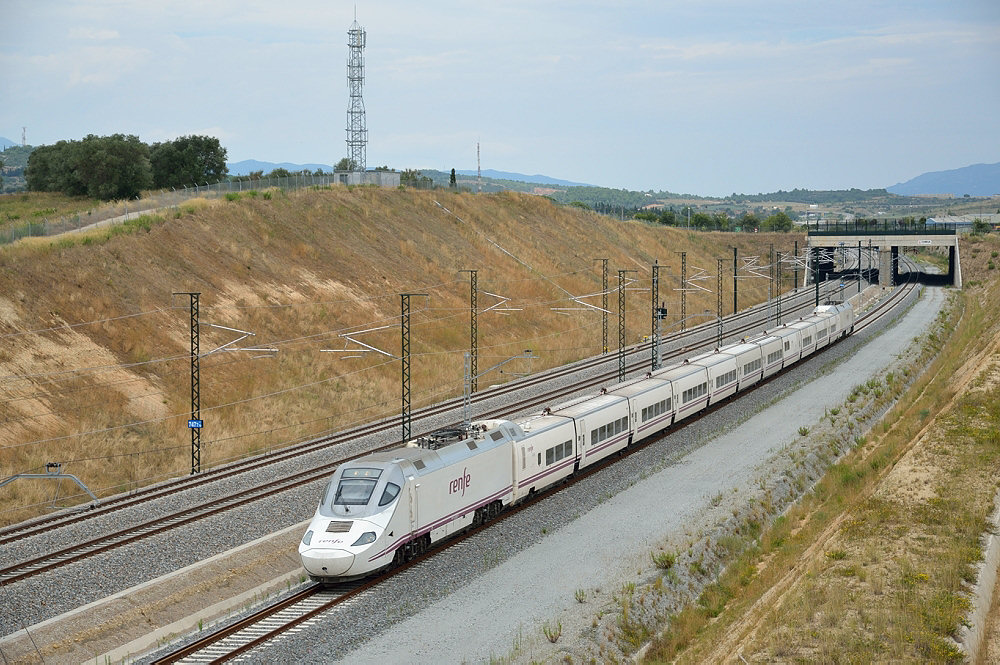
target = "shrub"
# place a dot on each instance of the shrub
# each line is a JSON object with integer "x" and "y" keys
{"x": 552, "y": 634}
{"x": 663, "y": 560}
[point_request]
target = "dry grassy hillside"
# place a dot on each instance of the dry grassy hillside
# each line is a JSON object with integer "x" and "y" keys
{"x": 94, "y": 365}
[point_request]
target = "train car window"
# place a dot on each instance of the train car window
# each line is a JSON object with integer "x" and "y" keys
{"x": 539, "y": 459}
{"x": 549, "y": 456}
{"x": 496, "y": 436}
{"x": 567, "y": 448}
{"x": 788, "y": 345}
{"x": 593, "y": 437}
{"x": 389, "y": 494}
{"x": 327, "y": 493}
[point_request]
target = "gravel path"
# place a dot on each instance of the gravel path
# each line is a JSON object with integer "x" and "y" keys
{"x": 490, "y": 596}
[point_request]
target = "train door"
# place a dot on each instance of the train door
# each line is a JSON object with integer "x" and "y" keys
{"x": 411, "y": 492}
{"x": 581, "y": 441}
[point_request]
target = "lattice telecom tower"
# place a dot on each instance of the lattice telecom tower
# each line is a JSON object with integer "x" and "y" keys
{"x": 357, "y": 133}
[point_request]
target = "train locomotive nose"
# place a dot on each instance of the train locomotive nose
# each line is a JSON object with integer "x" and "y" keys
{"x": 322, "y": 562}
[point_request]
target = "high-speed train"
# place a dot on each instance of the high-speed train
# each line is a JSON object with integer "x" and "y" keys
{"x": 388, "y": 507}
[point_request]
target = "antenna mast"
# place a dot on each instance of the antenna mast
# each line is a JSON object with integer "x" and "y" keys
{"x": 479, "y": 170}
{"x": 357, "y": 133}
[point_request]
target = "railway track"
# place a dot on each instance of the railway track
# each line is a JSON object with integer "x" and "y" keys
{"x": 313, "y": 602}
{"x": 751, "y": 320}
{"x": 746, "y": 321}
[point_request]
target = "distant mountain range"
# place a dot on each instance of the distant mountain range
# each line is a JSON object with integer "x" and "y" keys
{"x": 975, "y": 180}
{"x": 6, "y": 143}
{"x": 247, "y": 166}
{"x": 520, "y": 177}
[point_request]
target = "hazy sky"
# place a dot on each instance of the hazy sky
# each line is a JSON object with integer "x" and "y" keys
{"x": 699, "y": 96}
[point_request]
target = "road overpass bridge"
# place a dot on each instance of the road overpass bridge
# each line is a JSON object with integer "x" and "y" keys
{"x": 878, "y": 244}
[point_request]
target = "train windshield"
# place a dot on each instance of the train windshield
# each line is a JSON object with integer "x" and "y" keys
{"x": 356, "y": 487}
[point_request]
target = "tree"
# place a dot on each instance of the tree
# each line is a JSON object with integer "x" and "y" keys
{"x": 452, "y": 182}
{"x": 980, "y": 226}
{"x": 414, "y": 178}
{"x": 279, "y": 173}
{"x": 114, "y": 167}
{"x": 103, "y": 167}
{"x": 779, "y": 221}
{"x": 701, "y": 220}
{"x": 749, "y": 222}
{"x": 188, "y": 160}
{"x": 346, "y": 164}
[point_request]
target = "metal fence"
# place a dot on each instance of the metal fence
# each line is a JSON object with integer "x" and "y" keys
{"x": 121, "y": 211}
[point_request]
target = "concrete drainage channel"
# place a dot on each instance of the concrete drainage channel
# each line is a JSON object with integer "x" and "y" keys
{"x": 121, "y": 627}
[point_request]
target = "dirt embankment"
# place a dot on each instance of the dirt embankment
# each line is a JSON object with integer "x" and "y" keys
{"x": 95, "y": 369}
{"x": 881, "y": 561}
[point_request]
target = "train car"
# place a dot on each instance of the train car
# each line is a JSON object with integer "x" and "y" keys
{"x": 723, "y": 374}
{"x": 807, "y": 336}
{"x": 387, "y": 507}
{"x": 602, "y": 425}
{"x": 545, "y": 454}
{"x": 689, "y": 384}
{"x": 843, "y": 315}
{"x": 772, "y": 349}
{"x": 791, "y": 339}
{"x": 651, "y": 404}
{"x": 749, "y": 363}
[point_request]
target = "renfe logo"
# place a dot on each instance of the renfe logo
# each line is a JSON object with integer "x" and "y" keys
{"x": 460, "y": 483}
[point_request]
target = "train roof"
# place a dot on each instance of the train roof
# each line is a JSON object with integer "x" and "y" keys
{"x": 737, "y": 349}
{"x": 581, "y": 407}
{"x": 637, "y": 386}
{"x": 677, "y": 372}
{"x": 541, "y": 422}
{"x": 709, "y": 359}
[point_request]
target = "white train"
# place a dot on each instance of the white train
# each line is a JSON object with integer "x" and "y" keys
{"x": 388, "y": 507}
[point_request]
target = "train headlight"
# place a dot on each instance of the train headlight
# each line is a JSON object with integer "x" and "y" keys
{"x": 366, "y": 537}
{"x": 308, "y": 538}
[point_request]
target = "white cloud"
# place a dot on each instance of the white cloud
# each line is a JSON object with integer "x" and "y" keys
{"x": 95, "y": 34}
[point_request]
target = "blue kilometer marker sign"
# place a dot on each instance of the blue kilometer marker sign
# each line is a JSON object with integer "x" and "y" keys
{"x": 195, "y": 424}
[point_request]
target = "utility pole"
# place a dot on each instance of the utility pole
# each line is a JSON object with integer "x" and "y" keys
{"x": 659, "y": 312}
{"x": 795, "y": 265}
{"x": 621, "y": 323}
{"x": 195, "y": 422}
{"x": 604, "y": 306}
{"x": 777, "y": 300}
{"x": 770, "y": 280}
{"x": 735, "y": 268}
{"x": 859, "y": 266}
{"x": 404, "y": 307}
{"x": 684, "y": 281}
{"x": 718, "y": 299}
{"x": 816, "y": 272}
{"x": 473, "y": 330}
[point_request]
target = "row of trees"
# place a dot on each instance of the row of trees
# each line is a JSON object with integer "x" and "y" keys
{"x": 719, "y": 221}
{"x": 121, "y": 166}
